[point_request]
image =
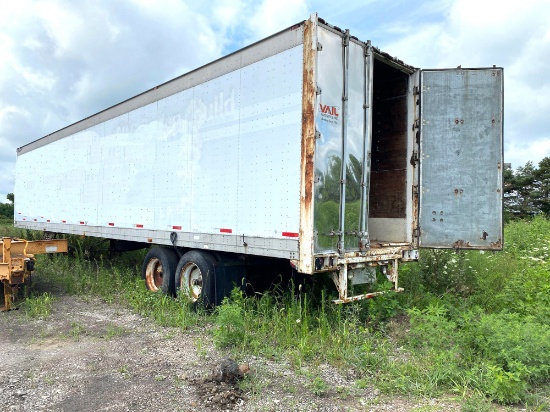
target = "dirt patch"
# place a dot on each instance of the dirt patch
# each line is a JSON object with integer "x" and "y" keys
{"x": 218, "y": 395}
{"x": 91, "y": 356}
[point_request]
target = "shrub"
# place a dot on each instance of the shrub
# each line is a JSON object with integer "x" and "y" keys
{"x": 229, "y": 327}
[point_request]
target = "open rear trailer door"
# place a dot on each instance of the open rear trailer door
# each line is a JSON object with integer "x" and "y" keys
{"x": 461, "y": 160}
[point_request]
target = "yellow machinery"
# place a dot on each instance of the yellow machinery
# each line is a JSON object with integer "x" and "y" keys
{"x": 17, "y": 262}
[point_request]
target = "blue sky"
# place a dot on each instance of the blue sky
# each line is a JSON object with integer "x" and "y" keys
{"x": 64, "y": 60}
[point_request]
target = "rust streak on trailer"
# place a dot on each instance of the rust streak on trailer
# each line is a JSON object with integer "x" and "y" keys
{"x": 415, "y": 163}
{"x": 307, "y": 148}
{"x": 415, "y": 212}
{"x": 461, "y": 244}
{"x": 497, "y": 245}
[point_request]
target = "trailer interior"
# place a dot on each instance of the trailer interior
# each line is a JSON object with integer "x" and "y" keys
{"x": 390, "y": 214}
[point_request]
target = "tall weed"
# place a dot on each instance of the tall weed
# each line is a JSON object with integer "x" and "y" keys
{"x": 38, "y": 306}
{"x": 491, "y": 310}
{"x": 292, "y": 325}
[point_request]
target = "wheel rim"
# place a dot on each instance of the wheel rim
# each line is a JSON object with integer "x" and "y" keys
{"x": 153, "y": 275}
{"x": 191, "y": 280}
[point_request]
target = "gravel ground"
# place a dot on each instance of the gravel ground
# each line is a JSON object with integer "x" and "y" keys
{"x": 92, "y": 356}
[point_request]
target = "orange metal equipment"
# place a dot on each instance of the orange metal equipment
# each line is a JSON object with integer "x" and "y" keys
{"x": 17, "y": 262}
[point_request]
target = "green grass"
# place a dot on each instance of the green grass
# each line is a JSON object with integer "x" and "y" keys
{"x": 77, "y": 330}
{"x": 481, "y": 321}
{"x": 114, "y": 331}
{"x": 115, "y": 280}
{"x": 470, "y": 324}
{"x": 6, "y": 221}
{"x": 38, "y": 306}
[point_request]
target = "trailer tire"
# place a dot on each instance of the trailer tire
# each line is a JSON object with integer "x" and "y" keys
{"x": 159, "y": 267}
{"x": 196, "y": 278}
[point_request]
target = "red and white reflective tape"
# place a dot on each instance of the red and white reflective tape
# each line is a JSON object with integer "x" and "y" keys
{"x": 226, "y": 230}
{"x": 139, "y": 226}
{"x": 176, "y": 227}
{"x": 291, "y": 234}
{"x": 111, "y": 223}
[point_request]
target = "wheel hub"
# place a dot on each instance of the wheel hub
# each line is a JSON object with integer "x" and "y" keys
{"x": 154, "y": 274}
{"x": 192, "y": 277}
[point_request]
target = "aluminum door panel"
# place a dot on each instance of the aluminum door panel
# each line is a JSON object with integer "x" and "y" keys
{"x": 328, "y": 147}
{"x": 461, "y": 158}
{"x": 355, "y": 117}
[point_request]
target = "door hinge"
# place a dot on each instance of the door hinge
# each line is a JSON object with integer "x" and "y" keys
{"x": 414, "y": 158}
{"x": 416, "y": 90}
{"x": 416, "y": 124}
{"x": 340, "y": 247}
{"x": 364, "y": 241}
{"x": 319, "y": 46}
{"x": 367, "y": 48}
{"x": 416, "y": 232}
{"x": 345, "y": 39}
{"x": 416, "y": 192}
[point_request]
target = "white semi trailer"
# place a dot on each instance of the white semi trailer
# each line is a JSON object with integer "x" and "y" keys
{"x": 310, "y": 147}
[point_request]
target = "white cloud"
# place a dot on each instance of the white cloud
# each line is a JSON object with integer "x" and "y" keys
{"x": 519, "y": 153}
{"x": 273, "y": 16}
{"x": 62, "y": 25}
{"x": 7, "y": 111}
{"x": 228, "y": 13}
{"x": 83, "y": 86}
{"x": 34, "y": 80}
{"x": 6, "y": 46}
{"x": 414, "y": 45}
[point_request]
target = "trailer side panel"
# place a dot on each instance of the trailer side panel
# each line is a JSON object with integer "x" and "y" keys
{"x": 218, "y": 163}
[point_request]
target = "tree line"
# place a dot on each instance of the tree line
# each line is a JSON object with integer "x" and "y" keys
{"x": 527, "y": 191}
{"x": 6, "y": 209}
